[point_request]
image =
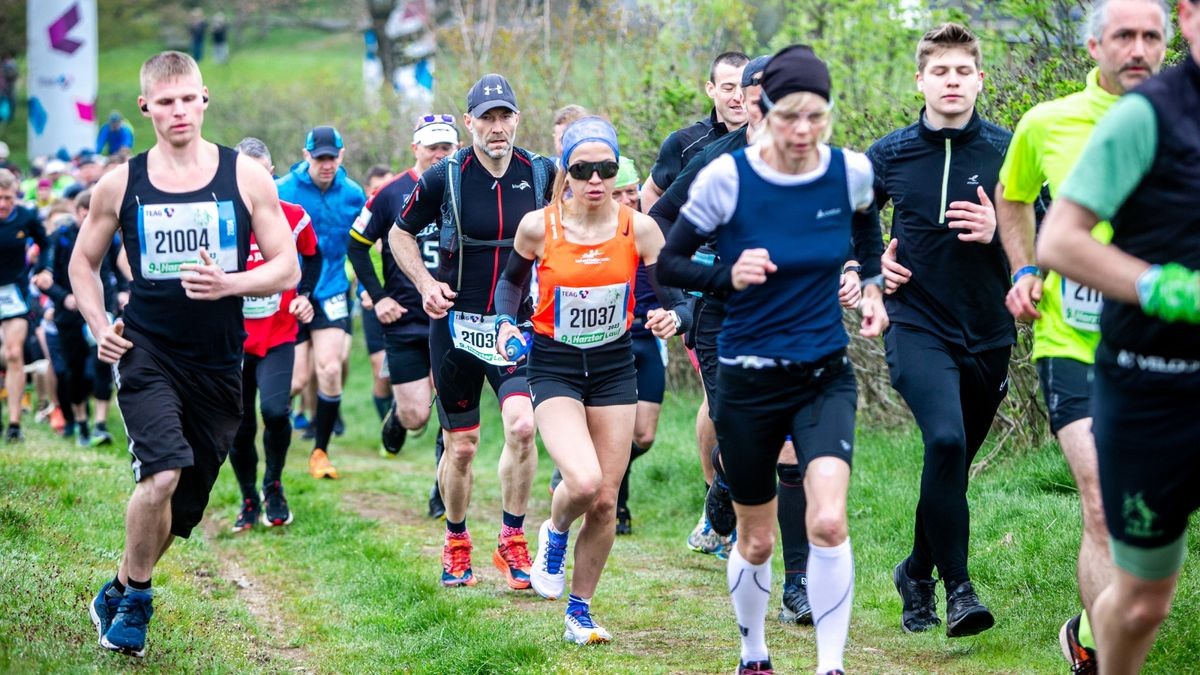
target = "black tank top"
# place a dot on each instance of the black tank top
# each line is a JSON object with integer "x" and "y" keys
{"x": 163, "y": 230}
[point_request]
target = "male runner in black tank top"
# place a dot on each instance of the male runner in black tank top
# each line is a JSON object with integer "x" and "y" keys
{"x": 185, "y": 209}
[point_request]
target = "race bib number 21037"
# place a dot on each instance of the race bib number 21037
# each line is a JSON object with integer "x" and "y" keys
{"x": 172, "y": 235}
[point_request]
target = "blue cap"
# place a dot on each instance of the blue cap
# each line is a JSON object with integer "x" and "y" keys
{"x": 755, "y": 68}
{"x": 588, "y": 129}
{"x": 491, "y": 91}
{"x": 323, "y": 142}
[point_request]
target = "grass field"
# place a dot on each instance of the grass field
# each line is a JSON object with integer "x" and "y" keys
{"x": 351, "y": 585}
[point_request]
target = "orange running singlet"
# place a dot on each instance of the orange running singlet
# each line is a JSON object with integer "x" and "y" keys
{"x": 585, "y": 291}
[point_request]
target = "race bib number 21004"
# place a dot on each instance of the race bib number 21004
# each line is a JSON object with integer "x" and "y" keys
{"x": 172, "y": 235}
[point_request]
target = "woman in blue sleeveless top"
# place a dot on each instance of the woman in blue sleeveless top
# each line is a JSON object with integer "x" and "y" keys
{"x": 781, "y": 209}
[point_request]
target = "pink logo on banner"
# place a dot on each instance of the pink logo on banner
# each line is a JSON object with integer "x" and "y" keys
{"x": 87, "y": 111}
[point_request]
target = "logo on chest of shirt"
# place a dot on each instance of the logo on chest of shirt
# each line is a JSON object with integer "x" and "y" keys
{"x": 523, "y": 185}
{"x": 20, "y": 234}
{"x": 592, "y": 257}
{"x": 828, "y": 213}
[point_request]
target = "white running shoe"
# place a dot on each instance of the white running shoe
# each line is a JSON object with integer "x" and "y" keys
{"x": 549, "y": 574}
{"x": 583, "y": 631}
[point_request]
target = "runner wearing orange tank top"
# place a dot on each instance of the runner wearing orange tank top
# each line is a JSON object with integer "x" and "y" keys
{"x": 581, "y": 374}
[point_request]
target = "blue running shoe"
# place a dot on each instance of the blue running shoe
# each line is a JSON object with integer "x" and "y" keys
{"x": 102, "y": 610}
{"x": 549, "y": 574}
{"x": 300, "y": 422}
{"x": 127, "y": 634}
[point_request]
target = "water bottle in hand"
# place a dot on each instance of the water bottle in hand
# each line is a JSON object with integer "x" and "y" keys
{"x": 514, "y": 349}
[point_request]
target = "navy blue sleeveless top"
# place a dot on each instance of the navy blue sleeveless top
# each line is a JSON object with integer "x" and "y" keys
{"x": 163, "y": 230}
{"x": 795, "y": 315}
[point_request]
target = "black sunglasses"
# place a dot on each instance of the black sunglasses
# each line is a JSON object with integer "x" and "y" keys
{"x": 584, "y": 170}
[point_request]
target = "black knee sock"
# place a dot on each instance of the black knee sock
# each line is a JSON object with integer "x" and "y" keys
{"x": 327, "y": 414}
{"x": 244, "y": 459}
{"x": 277, "y": 435}
{"x": 382, "y": 405}
{"x": 635, "y": 451}
{"x": 793, "y": 532}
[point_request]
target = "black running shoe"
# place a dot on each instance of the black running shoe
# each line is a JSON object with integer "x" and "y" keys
{"x": 965, "y": 615}
{"x": 393, "y": 433}
{"x": 14, "y": 435}
{"x": 339, "y": 427}
{"x": 276, "y": 512}
{"x": 624, "y": 521}
{"x": 795, "y": 607}
{"x": 919, "y": 598}
{"x": 718, "y": 504}
{"x": 251, "y": 509}
{"x": 437, "y": 508}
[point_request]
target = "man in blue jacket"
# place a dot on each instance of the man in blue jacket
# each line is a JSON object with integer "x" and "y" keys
{"x": 117, "y": 135}
{"x": 333, "y": 200}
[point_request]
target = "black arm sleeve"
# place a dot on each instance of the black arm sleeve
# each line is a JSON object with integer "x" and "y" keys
{"x": 867, "y": 241}
{"x": 360, "y": 258}
{"x": 676, "y": 267}
{"x": 310, "y": 272}
{"x": 510, "y": 290}
{"x": 671, "y": 298}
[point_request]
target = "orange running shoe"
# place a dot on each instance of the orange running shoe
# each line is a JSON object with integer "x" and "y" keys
{"x": 319, "y": 466}
{"x": 57, "y": 421}
{"x": 456, "y": 560}
{"x": 511, "y": 557}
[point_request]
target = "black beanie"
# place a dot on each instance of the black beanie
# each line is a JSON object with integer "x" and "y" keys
{"x": 793, "y": 69}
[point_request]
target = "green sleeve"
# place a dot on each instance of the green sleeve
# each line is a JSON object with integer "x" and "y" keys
{"x": 1022, "y": 174}
{"x": 1118, "y": 156}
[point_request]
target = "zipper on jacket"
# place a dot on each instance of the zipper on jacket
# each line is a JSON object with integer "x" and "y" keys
{"x": 945, "y": 185}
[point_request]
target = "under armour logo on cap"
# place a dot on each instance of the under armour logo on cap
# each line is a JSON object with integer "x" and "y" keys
{"x": 491, "y": 91}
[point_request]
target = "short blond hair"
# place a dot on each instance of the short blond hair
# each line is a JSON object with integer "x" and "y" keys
{"x": 166, "y": 66}
{"x": 8, "y": 180}
{"x": 945, "y": 37}
{"x": 569, "y": 113}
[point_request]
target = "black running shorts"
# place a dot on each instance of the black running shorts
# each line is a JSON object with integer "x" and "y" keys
{"x": 372, "y": 331}
{"x": 407, "y": 357}
{"x": 600, "y": 376}
{"x": 1147, "y": 430}
{"x": 177, "y": 418}
{"x": 1066, "y": 388}
{"x": 707, "y": 327}
{"x": 458, "y": 377}
{"x": 759, "y": 407}
{"x": 321, "y": 320}
{"x": 651, "y": 371}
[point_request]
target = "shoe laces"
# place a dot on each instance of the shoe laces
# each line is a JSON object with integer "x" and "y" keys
{"x": 456, "y": 556}
{"x": 583, "y": 617}
{"x": 136, "y": 612}
{"x": 555, "y": 552}
{"x": 756, "y": 668}
{"x": 515, "y": 550}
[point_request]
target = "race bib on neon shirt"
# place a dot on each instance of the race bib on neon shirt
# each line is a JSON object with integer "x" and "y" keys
{"x": 1081, "y": 306}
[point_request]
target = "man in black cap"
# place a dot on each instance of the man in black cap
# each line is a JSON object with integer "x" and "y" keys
{"x": 949, "y": 345}
{"x": 477, "y": 196}
{"x": 333, "y": 200}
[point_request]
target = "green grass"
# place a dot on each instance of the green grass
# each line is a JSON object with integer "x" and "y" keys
{"x": 351, "y": 585}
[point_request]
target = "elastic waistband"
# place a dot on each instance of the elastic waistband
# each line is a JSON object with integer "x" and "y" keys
{"x": 835, "y": 359}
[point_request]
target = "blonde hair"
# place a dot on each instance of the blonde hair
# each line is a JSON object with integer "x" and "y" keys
{"x": 569, "y": 113}
{"x": 945, "y": 37}
{"x": 168, "y": 65}
{"x": 8, "y": 181}
{"x": 793, "y": 103}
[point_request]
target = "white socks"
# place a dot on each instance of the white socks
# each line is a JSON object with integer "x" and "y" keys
{"x": 831, "y": 594}
{"x": 750, "y": 590}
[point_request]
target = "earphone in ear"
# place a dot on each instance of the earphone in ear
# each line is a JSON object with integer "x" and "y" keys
{"x": 204, "y": 98}
{"x": 145, "y": 108}
{"x": 920, "y": 85}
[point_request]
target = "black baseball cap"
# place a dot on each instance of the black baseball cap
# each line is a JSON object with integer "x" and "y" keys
{"x": 752, "y": 73}
{"x": 491, "y": 91}
{"x": 323, "y": 142}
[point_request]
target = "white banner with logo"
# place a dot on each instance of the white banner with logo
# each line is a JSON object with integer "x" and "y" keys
{"x": 62, "y": 58}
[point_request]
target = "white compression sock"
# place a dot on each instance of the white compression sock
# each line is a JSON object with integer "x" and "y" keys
{"x": 831, "y": 594}
{"x": 750, "y": 590}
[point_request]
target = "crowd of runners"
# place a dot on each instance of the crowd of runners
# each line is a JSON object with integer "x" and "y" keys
{"x": 194, "y": 283}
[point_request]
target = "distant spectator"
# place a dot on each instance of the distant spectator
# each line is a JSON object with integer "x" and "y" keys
{"x": 376, "y": 177}
{"x": 9, "y": 73}
{"x": 562, "y": 119}
{"x": 4, "y": 163}
{"x": 58, "y": 173}
{"x": 220, "y": 38}
{"x": 90, "y": 170}
{"x": 197, "y": 28}
{"x": 117, "y": 135}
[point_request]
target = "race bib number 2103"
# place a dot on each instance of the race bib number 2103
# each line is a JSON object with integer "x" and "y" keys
{"x": 172, "y": 235}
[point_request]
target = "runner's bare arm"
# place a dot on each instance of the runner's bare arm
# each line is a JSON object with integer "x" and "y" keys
{"x": 1067, "y": 247}
{"x": 650, "y": 194}
{"x": 1016, "y": 226}
{"x": 281, "y": 269}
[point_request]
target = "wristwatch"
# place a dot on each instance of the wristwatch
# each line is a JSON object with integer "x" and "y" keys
{"x": 857, "y": 269}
